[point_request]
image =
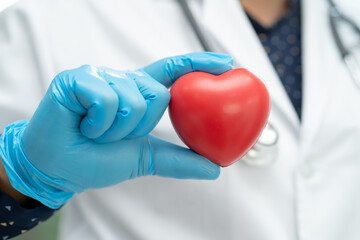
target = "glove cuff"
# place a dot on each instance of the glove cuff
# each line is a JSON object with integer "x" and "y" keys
{"x": 23, "y": 176}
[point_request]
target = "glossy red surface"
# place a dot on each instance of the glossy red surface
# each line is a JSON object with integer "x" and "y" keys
{"x": 219, "y": 117}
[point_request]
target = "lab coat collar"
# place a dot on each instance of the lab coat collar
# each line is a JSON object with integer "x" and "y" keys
{"x": 227, "y": 23}
{"x": 318, "y": 76}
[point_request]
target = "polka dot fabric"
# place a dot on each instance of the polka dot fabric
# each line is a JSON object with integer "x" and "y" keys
{"x": 282, "y": 43}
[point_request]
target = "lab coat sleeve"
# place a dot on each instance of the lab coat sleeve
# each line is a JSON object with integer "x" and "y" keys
{"x": 21, "y": 80}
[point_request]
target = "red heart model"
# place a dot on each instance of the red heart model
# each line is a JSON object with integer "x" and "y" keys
{"x": 219, "y": 117}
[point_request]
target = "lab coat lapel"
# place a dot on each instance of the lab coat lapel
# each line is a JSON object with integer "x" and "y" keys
{"x": 317, "y": 77}
{"x": 229, "y": 27}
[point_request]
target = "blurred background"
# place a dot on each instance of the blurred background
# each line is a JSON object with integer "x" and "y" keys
{"x": 5, "y": 3}
{"x": 47, "y": 230}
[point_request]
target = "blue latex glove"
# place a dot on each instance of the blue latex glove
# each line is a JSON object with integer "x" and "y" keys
{"x": 91, "y": 130}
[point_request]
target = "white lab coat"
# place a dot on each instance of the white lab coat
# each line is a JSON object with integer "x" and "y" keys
{"x": 312, "y": 191}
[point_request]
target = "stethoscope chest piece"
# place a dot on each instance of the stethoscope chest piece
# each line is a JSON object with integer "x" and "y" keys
{"x": 264, "y": 152}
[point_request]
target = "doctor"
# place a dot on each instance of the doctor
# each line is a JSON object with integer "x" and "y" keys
{"x": 311, "y": 189}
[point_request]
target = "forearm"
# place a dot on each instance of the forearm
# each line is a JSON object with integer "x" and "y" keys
{"x": 6, "y": 187}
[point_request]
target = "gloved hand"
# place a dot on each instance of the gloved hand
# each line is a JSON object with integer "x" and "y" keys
{"x": 91, "y": 131}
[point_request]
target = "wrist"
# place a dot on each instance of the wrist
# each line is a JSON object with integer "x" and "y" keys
{"x": 22, "y": 175}
{"x": 7, "y": 188}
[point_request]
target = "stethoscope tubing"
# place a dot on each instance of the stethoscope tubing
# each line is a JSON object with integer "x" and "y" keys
{"x": 350, "y": 61}
{"x": 335, "y": 15}
{"x": 197, "y": 30}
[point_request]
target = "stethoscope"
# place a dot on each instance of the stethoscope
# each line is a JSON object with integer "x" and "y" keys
{"x": 264, "y": 151}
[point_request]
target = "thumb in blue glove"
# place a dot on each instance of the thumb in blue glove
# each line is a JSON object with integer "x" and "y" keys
{"x": 91, "y": 130}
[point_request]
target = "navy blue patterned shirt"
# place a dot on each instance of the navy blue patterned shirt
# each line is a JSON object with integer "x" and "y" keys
{"x": 282, "y": 42}
{"x": 15, "y": 219}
